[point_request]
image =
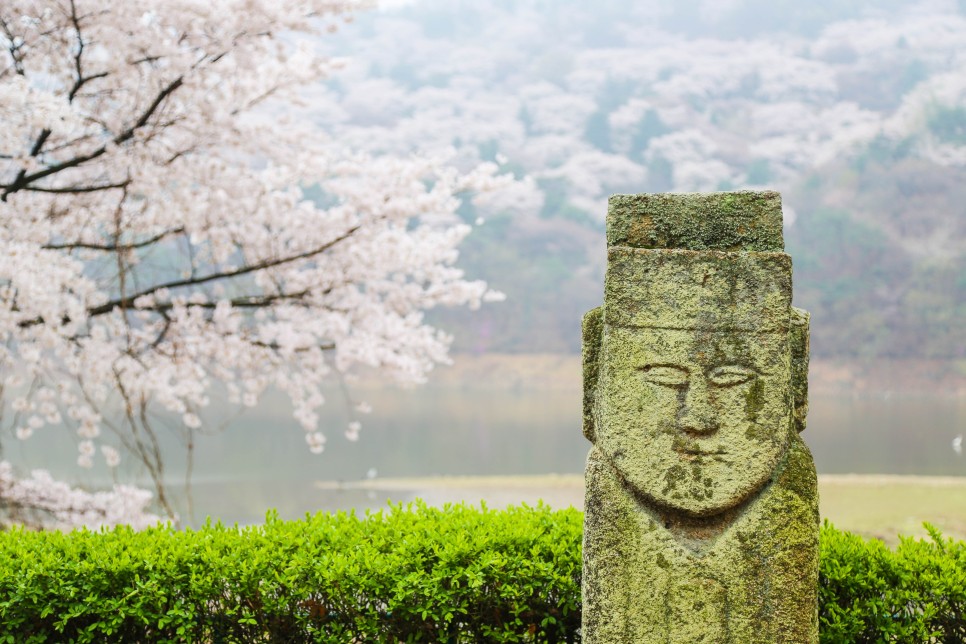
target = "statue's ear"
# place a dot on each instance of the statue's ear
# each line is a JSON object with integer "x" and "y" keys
{"x": 799, "y": 349}
{"x": 592, "y": 328}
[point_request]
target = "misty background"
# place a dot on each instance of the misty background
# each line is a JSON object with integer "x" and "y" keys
{"x": 855, "y": 110}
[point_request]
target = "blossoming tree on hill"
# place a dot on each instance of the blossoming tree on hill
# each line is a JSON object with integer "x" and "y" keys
{"x": 155, "y": 237}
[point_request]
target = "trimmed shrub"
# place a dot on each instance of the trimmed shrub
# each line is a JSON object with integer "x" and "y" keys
{"x": 405, "y": 574}
{"x": 869, "y": 593}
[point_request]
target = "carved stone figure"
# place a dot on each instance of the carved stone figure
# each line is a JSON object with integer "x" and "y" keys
{"x": 701, "y": 510}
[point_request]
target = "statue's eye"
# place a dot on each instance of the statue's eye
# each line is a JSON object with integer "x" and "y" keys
{"x": 731, "y": 375}
{"x": 665, "y": 374}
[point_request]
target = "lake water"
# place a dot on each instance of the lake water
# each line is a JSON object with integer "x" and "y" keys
{"x": 261, "y": 460}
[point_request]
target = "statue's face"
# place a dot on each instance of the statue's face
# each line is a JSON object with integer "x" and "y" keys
{"x": 695, "y": 420}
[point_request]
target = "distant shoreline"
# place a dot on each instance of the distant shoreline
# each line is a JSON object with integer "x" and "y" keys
{"x": 576, "y": 481}
{"x": 543, "y": 371}
{"x": 877, "y": 506}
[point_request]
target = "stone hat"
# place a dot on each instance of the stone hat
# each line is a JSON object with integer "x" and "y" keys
{"x": 700, "y": 290}
{"x": 697, "y": 261}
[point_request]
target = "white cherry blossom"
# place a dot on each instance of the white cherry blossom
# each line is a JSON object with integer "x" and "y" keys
{"x": 40, "y": 501}
{"x": 169, "y": 221}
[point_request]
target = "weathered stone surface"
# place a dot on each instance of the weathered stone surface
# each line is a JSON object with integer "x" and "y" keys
{"x": 741, "y": 221}
{"x": 701, "y": 517}
{"x": 799, "y": 345}
{"x": 762, "y": 562}
{"x": 683, "y": 289}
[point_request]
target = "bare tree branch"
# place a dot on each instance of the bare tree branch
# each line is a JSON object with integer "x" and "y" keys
{"x": 110, "y": 248}
{"x": 45, "y": 133}
{"x": 81, "y": 79}
{"x": 77, "y": 190}
{"x": 194, "y": 281}
{"x": 328, "y": 346}
{"x": 16, "y": 55}
{"x": 128, "y": 301}
{"x": 24, "y": 179}
{"x": 245, "y": 302}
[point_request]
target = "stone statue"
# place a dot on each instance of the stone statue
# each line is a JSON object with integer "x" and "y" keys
{"x": 701, "y": 511}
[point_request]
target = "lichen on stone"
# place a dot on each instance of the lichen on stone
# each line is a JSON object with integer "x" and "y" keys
{"x": 730, "y": 221}
{"x": 701, "y": 521}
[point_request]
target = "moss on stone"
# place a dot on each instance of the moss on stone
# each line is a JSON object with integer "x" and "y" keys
{"x": 729, "y": 221}
{"x": 799, "y": 341}
{"x": 645, "y": 583}
{"x": 701, "y": 520}
{"x": 592, "y": 329}
{"x": 755, "y": 398}
{"x": 688, "y": 289}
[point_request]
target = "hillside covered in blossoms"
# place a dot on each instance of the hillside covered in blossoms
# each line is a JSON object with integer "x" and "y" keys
{"x": 855, "y": 111}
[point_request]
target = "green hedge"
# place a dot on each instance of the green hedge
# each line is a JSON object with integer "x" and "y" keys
{"x": 869, "y": 593}
{"x": 404, "y": 574}
{"x": 412, "y": 573}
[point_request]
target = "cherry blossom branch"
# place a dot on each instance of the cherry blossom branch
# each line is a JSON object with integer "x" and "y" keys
{"x": 78, "y": 64}
{"x": 150, "y": 455}
{"x": 13, "y": 48}
{"x": 274, "y": 346}
{"x": 24, "y": 179}
{"x": 34, "y": 151}
{"x": 128, "y": 301}
{"x": 39, "y": 143}
{"x": 112, "y": 248}
{"x": 81, "y": 81}
{"x": 77, "y": 190}
{"x": 39, "y": 502}
{"x": 195, "y": 281}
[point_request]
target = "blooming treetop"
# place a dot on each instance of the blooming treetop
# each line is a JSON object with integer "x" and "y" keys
{"x": 679, "y": 104}
{"x": 155, "y": 236}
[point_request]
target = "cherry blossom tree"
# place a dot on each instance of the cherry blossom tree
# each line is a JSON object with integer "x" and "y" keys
{"x": 168, "y": 222}
{"x": 39, "y": 501}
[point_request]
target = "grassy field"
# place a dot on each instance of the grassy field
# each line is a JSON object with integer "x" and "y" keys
{"x": 884, "y": 506}
{"x": 881, "y": 507}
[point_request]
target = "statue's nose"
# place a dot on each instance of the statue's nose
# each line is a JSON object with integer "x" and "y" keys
{"x": 697, "y": 415}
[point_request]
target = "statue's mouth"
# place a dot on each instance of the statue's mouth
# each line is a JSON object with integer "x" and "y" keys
{"x": 698, "y": 452}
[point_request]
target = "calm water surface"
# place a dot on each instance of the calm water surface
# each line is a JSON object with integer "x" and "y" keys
{"x": 261, "y": 460}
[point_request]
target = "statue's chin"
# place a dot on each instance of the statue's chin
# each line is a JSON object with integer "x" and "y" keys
{"x": 699, "y": 500}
